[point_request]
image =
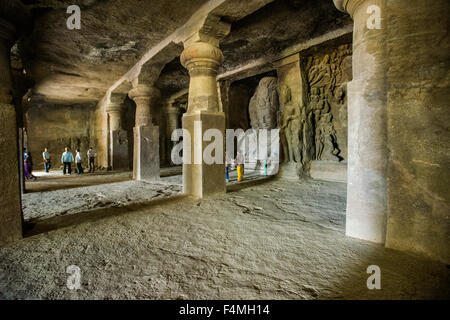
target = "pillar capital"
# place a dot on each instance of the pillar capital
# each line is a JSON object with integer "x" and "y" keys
{"x": 211, "y": 29}
{"x": 202, "y": 60}
{"x": 115, "y": 102}
{"x": 143, "y": 91}
{"x": 171, "y": 108}
{"x": 202, "y": 57}
{"x": 348, "y": 6}
{"x": 145, "y": 96}
{"x": 114, "y": 111}
{"x": 113, "y": 107}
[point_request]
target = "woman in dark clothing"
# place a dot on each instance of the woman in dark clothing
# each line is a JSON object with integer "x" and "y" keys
{"x": 28, "y": 167}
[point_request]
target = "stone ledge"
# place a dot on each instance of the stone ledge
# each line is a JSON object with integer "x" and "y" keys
{"x": 329, "y": 170}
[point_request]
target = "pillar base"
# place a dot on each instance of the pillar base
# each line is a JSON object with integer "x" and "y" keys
{"x": 146, "y": 153}
{"x": 10, "y": 212}
{"x": 327, "y": 170}
{"x": 201, "y": 180}
{"x": 288, "y": 171}
{"x": 119, "y": 150}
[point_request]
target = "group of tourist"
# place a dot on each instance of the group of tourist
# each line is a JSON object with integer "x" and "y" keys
{"x": 66, "y": 159}
{"x": 239, "y": 161}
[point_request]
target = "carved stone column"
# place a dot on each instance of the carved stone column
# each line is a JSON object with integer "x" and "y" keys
{"x": 146, "y": 134}
{"x": 10, "y": 201}
{"x": 114, "y": 111}
{"x": 172, "y": 124}
{"x": 202, "y": 60}
{"x": 224, "y": 100}
{"x": 118, "y": 138}
{"x": 367, "y": 126}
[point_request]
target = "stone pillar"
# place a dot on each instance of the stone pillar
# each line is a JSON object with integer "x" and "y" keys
{"x": 146, "y": 134}
{"x": 118, "y": 138}
{"x": 224, "y": 100}
{"x": 10, "y": 201}
{"x": 418, "y": 197}
{"x": 202, "y": 60}
{"x": 367, "y": 126}
{"x": 172, "y": 124}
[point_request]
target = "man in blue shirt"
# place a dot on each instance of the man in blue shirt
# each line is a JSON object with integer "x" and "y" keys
{"x": 67, "y": 159}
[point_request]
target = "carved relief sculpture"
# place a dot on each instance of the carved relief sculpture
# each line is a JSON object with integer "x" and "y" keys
{"x": 264, "y": 104}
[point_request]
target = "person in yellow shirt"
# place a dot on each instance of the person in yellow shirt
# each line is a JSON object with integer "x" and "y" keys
{"x": 240, "y": 166}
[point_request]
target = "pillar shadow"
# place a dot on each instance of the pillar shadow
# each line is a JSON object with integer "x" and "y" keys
{"x": 33, "y": 228}
{"x": 59, "y": 182}
{"x": 254, "y": 181}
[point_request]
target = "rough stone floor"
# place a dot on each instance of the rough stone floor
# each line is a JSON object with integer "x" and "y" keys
{"x": 53, "y": 194}
{"x": 265, "y": 239}
{"x": 56, "y": 195}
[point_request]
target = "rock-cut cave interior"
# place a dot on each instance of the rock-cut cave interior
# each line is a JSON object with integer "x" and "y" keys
{"x": 111, "y": 111}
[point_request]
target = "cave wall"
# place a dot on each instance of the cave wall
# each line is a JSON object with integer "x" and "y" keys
{"x": 56, "y": 127}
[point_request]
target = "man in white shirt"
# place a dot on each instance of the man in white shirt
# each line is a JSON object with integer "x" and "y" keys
{"x": 79, "y": 162}
{"x": 91, "y": 156}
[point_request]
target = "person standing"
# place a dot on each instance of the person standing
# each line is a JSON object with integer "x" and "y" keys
{"x": 28, "y": 166}
{"x": 227, "y": 167}
{"x": 240, "y": 166}
{"x": 67, "y": 159}
{"x": 79, "y": 162}
{"x": 47, "y": 160}
{"x": 91, "y": 156}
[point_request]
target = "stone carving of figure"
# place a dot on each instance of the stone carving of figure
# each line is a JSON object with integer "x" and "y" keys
{"x": 263, "y": 108}
{"x": 264, "y": 104}
{"x": 328, "y": 139}
{"x": 309, "y": 150}
{"x": 291, "y": 125}
{"x": 325, "y": 135}
{"x": 322, "y": 78}
{"x": 320, "y": 74}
